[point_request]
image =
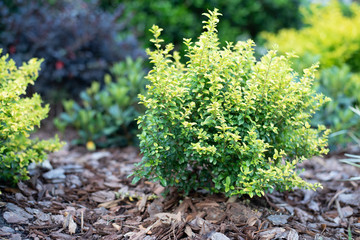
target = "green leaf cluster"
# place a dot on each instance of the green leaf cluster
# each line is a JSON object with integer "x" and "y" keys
{"x": 226, "y": 122}
{"x": 106, "y": 116}
{"x": 18, "y": 117}
{"x": 332, "y": 36}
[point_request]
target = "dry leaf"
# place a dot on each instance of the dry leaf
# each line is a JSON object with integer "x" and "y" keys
{"x": 116, "y": 226}
{"x": 66, "y": 220}
{"x": 189, "y": 232}
{"x": 72, "y": 226}
{"x": 271, "y": 233}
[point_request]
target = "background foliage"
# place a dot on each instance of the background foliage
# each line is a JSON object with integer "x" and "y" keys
{"x": 18, "y": 116}
{"x": 241, "y": 18}
{"x": 78, "y": 42}
{"x": 225, "y": 121}
{"x": 332, "y": 36}
{"x": 106, "y": 116}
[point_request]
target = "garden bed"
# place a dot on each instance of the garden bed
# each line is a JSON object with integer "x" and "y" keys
{"x": 87, "y": 195}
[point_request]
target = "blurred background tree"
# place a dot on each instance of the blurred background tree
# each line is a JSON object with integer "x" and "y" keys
{"x": 240, "y": 20}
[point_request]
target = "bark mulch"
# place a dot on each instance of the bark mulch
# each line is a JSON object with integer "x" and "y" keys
{"x": 87, "y": 195}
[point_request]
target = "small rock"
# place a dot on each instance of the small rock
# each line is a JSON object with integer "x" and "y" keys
{"x": 278, "y": 219}
{"x": 55, "y": 176}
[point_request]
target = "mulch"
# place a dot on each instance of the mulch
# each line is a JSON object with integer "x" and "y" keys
{"x": 88, "y": 195}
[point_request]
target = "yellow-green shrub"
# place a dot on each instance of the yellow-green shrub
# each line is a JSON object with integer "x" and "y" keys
{"x": 331, "y": 36}
{"x": 225, "y": 121}
{"x": 18, "y": 116}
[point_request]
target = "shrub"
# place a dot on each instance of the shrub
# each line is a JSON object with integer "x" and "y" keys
{"x": 78, "y": 42}
{"x": 331, "y": 36}
{"x": 242, "y": 18}
{"x": 106, "y": 117}
{"x": 336, "y": 113}
{"x": 225, "y": 121}
{"x": 18, "y": 117}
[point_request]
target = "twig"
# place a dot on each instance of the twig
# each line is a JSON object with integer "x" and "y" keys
{"x": 335, "y": 197}
{"x": 273, "y": 205}
{"x": 341, "y": 215}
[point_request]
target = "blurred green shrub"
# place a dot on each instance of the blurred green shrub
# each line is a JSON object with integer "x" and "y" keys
{"x": 332, "y": 36}
{"x": 78, "y": 42}
{"x": 241, "y": 18}
{"x": 106, "y": 117}
{"x": 225, "y": 121}
{"x": 18, "y": 116}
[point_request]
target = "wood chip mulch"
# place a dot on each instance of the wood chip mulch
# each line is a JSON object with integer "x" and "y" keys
{"x": 87, "y": 195}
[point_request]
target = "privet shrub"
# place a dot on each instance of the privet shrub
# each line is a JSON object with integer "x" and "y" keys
{"x": 106, "y": 116}
{"x": 225, "y": 121}
{"x": 18, "y": 116}
{"x": 78, "y": 41}
{"x": 332, "y": 36}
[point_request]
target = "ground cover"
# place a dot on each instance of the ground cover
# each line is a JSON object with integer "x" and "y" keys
{"x": 86, "y": 195}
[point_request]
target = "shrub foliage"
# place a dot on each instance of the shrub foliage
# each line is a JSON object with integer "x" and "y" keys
{"x": 18, "y": 116}
{"x": 225, "y": 121}
{"x": 106, "y": 116}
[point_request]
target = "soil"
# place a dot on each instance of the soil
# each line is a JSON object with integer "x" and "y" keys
{"x": 87, "y": 195}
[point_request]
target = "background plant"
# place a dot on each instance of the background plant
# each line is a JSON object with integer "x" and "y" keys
{"x": 353, "y": 159}
{"x": 18, "y": 116}
{"x": 106, "y": 116}
{"x": 78, "y": 41}
{"x": 225, "y": 121}
{"x": 331, "y": 35}
{"x": 241, "y": 18}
